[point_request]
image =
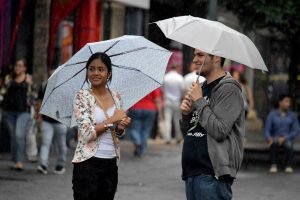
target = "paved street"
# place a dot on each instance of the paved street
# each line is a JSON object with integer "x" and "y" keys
{"x": 156, "y": 176}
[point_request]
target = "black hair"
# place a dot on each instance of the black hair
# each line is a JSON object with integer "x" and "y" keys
{"x": 13, "y": 75}
{"x": 222, "y": 60}
{"x": 282, "y": 96}
{"x": 104, "y": 58}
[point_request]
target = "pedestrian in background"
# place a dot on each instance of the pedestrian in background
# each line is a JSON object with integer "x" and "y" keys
{"x": 16, "y": 110}
{"x": 247, "y": 92}
{"x": 281, "y": 129}
{"x": 101, "y": 120}
{"x": 173, "y": 94}
{"x": 52, "y": 132}
{"x": 213, "y": 123}
{"x": 143, "y": 118}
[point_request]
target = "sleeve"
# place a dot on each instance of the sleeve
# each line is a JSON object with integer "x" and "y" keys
{"x": 184, "y": 123}
{"x": 268, "y": 126}
{"x": 294, "y": 128}
{"x": 83, "y": 115}
{"x": 156, "y": 93}
{"x": 229, "y": 106}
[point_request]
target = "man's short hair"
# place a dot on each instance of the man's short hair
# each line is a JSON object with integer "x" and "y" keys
{"x": 222, "y": 59}
{"x": 282, "y": 96}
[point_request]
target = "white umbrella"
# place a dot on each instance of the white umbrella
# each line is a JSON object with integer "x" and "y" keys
{"x": 214, "y": 38}
{"x": 138, "y": 67}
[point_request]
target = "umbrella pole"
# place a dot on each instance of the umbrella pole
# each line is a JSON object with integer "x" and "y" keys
{"x": 200, "y": 69}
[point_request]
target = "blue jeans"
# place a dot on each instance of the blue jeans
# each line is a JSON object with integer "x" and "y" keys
{"x": 57, "y": 133}
{"x": 141, "y": 125}
{"x": 207, "y": 187}
{"x": 288, "y": 150}
{"x": 16, "y": 123}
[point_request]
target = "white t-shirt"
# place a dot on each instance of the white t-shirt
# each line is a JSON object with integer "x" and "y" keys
{"x": 173, "y": 86}
{"x": 191, "y": 77}
{"x": 106, "y": 148}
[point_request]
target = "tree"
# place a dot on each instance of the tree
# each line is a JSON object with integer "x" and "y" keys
{"x": 277, "y": 16}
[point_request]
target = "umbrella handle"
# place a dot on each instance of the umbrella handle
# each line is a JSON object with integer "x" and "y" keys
{"x": 200, "y": 69}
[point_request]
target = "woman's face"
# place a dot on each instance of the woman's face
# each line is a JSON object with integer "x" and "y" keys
{"x": 20, "y": 67}
{"x": 97, "y": 73}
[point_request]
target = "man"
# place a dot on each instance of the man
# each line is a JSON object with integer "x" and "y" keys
{"x": 213, "y": 121}
{"x": 280, "y": 131}
{"x": 52, "y": 131}
{"x": 173, "y": 93}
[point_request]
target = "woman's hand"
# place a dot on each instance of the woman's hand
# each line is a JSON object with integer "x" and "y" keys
{"x": 124, "y": 123}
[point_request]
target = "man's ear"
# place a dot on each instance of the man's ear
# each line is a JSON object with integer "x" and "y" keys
{"x": 217, "y": 60}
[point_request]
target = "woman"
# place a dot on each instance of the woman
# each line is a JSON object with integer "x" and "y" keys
{"x": 100, "y": 121}
{"x": 16, "y": 110}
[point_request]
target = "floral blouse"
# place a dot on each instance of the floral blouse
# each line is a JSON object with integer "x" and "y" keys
{"x": 84, "y": 106}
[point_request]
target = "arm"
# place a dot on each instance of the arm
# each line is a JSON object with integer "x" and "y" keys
{"x": 219, "y": 121}
{"x": 250, "y": 97}
{"x": 294, "y": 128}
{"x": 268, "y": 127}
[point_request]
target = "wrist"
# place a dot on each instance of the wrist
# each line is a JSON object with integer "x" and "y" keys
{"x": 108, "y": 126}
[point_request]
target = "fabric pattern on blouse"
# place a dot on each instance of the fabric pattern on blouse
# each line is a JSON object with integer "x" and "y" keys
{"x": 84, "y": 107}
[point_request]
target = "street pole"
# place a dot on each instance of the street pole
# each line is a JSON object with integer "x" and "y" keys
{"x": 40, "y": 42}
{"x": 212, "y": 10}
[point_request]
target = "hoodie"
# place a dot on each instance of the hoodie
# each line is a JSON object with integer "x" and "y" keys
{"x": 223, "y": 119}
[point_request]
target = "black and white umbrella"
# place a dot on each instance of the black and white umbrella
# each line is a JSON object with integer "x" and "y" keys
{"x": 139, "y": 67}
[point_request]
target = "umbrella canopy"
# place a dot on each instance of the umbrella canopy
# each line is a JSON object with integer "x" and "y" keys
{"x": 138, "y": 67}
{"x": 214, "y": 38}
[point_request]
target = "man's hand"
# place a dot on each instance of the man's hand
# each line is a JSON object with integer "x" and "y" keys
{"x": 270, "y": 141}
{"x": 186, "y": 105}
{"x": 195, "y": 92}
{"x": 281, "y": 140}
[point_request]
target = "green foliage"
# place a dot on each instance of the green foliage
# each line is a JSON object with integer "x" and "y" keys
{"x": 283, "y": 15}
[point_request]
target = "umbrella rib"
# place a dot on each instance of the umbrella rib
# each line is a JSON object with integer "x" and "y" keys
{"x": 62, "y": 84}
{"x": 134, "y": 69}
{"x": 90, "y": 49}
{"x": 75, "y": 63}
{"x": 112, "y": 46}
{"x": 129, "y": 51}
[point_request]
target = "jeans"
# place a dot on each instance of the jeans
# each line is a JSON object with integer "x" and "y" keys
{"x": 56, "y": 132}
{"x": 288, "y": 147}
{"x": 172, "y": 114}
{"x": 16, "y": 123}
{"x": 95, "y": 178}
{"x": 141, "y": 125}
{"x": 207, "y": 187}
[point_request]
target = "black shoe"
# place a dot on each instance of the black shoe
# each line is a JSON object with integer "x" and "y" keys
{"x": 59, "y": 169}
{"x": 17, "y": 167}
{"x": 42, "y": 169}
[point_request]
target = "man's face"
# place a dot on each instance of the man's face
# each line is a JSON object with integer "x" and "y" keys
{"x": 201, "y": 57}
{"x": 285, "y": 103}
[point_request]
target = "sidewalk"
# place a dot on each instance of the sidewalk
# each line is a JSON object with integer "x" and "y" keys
{"x": 157, "y": 176}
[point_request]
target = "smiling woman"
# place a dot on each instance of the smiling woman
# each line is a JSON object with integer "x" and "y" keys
{"x": 101, "y": 121}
